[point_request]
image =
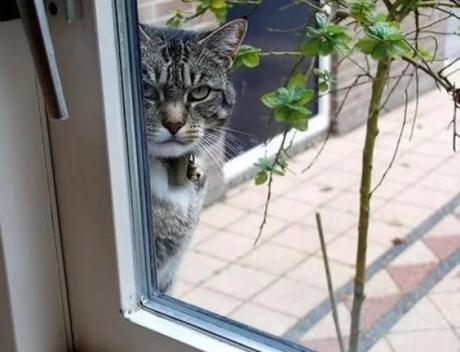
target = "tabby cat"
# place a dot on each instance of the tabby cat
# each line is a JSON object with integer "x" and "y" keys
{"x": 188, "y": 99}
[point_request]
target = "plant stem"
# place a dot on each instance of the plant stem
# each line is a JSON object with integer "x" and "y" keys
{"x": 378, "y": 87}
{"x": 330, "y": 287}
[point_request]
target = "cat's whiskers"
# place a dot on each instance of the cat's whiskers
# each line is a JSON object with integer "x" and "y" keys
{"x": 208, "y": 149}
{"x": 225, "y": 143}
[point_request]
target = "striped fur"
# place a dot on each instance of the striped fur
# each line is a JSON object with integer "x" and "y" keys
{"x": 177, "y": 66}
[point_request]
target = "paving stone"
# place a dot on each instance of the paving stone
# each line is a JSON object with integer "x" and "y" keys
{"x": 290, "y": 297}
{"x": 422, "y": 316}
{"x": 443, "y": 246}
{"x": 402, "y": 214}
{"x": 220, "y": 215}
{"x": 196, "y": 267}
{"x": 272, "y": 259}
{"x": 312, "y": 193}
{"x": 325, "y": 328}
{"x": 249, "y": 226}
{"x": 263, "y": 318}
{"x": 381, "y": 285}
{"x": 408, "y": 277}
{"x": 226, "y": 245}
{"x": 417, "y": 253}
{"x": 381, "y": 346}
{"x": 334, "y": 221}
{"x": 302, "y": 238}
{"x": 239, "y": 282}
{"x": 449, "y": 305}
{"x": 324, "y": 345}
{"x": 374, "y": 308}
{"x": 450, "y": 283}
{"x": 288, "y": 210}
{"x": 343, "y": 249}
{"x": 312, "y": 272}
{"x": 424, "y": 341}
{"x": 213, "y": 301}
{"x": 448, "y": 226}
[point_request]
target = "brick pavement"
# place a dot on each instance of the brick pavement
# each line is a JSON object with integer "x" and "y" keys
{"x": 279, "y": 284}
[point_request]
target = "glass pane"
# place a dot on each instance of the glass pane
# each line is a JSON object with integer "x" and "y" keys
{"x": 198, "y": 114}
{"x": 208, "y": 138}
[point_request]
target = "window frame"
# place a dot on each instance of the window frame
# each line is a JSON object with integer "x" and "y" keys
{"x": 115, "y": 294}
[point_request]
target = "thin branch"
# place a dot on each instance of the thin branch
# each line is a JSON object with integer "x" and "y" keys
{"x": 330, "y": 287}
{"x": 281, "y": 53}
{"x": 398, "y": 143}
{"x": 429, "y": 72}
{"x": 319, "y": 152}
{"x": 417, "y": 94}
{"x": 269, "y": 187}
{"x": 396, "y": 84}
{"x": 428, "y": 25}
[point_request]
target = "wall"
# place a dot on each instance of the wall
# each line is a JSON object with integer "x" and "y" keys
{"x": 29, "y": 272}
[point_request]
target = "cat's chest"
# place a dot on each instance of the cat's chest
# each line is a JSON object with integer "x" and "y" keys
{"x": 160, "y": 187}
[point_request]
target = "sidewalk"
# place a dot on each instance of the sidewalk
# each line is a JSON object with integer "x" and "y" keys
{"x": 414, "y": 246}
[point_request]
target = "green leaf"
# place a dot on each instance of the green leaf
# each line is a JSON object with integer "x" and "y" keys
{"x": 271, "y": 100}
{"x": 326, "y": 48}
{"x": 251, "y": 60}
{"x": 366, "y": 45}
{"x": 297, "y": 81}
{"x": 282, "y": 114}
{"x": 264, "y": 164}
{"x": 298, "y": 120}
{"x": 362, "y": 11}
{"x": 326, "y": 38}
{"x": 247, "y": 56}
{"x": 307, "y": 96}
{"x": 384, "y": 40}
{"x": 220, "y": 13}
{"x": 323, "y": 87}
{"x": 218, "y": 4}
{"x": 321, "y": 19}
{"x": 176, "y": 20}
{"x": 300, "y": 109}
{"x": 311, "y": 48}
{"x": 425, "y": 54}
{"x": 261, "y": 177}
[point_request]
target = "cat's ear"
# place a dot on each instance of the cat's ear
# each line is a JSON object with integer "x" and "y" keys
{"x": 150, "y": 36}
{"x": 143, "y": 35}
{"x": 226, "y": 40}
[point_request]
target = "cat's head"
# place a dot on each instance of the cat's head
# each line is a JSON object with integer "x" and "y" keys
{"x": 187, "y": 94}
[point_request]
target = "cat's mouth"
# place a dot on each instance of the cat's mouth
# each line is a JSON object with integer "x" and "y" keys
{"x": 171, "y": 141}
{"x": 170, "y": 148}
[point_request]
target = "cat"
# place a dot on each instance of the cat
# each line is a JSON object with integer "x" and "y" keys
{"x": 187, "y": 101}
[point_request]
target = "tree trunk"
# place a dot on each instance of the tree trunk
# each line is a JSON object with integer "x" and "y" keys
{"x": 378, "y": 87}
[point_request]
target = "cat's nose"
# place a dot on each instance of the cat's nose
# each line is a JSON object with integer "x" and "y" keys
{"x": 173, "y": 126}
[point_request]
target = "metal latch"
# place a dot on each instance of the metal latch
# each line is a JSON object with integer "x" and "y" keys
{"x": 35, "y": 21}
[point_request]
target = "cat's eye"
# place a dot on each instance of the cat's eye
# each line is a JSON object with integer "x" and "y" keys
{"x": 149, "y": 91}
{"x": 199, "y": 93}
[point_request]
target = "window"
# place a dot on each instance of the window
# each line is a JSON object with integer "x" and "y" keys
{"x": 148, "y": 97}
{"x": 81, "y": 213}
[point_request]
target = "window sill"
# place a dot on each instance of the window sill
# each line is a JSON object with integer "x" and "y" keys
{"x": 180, "y": 332}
